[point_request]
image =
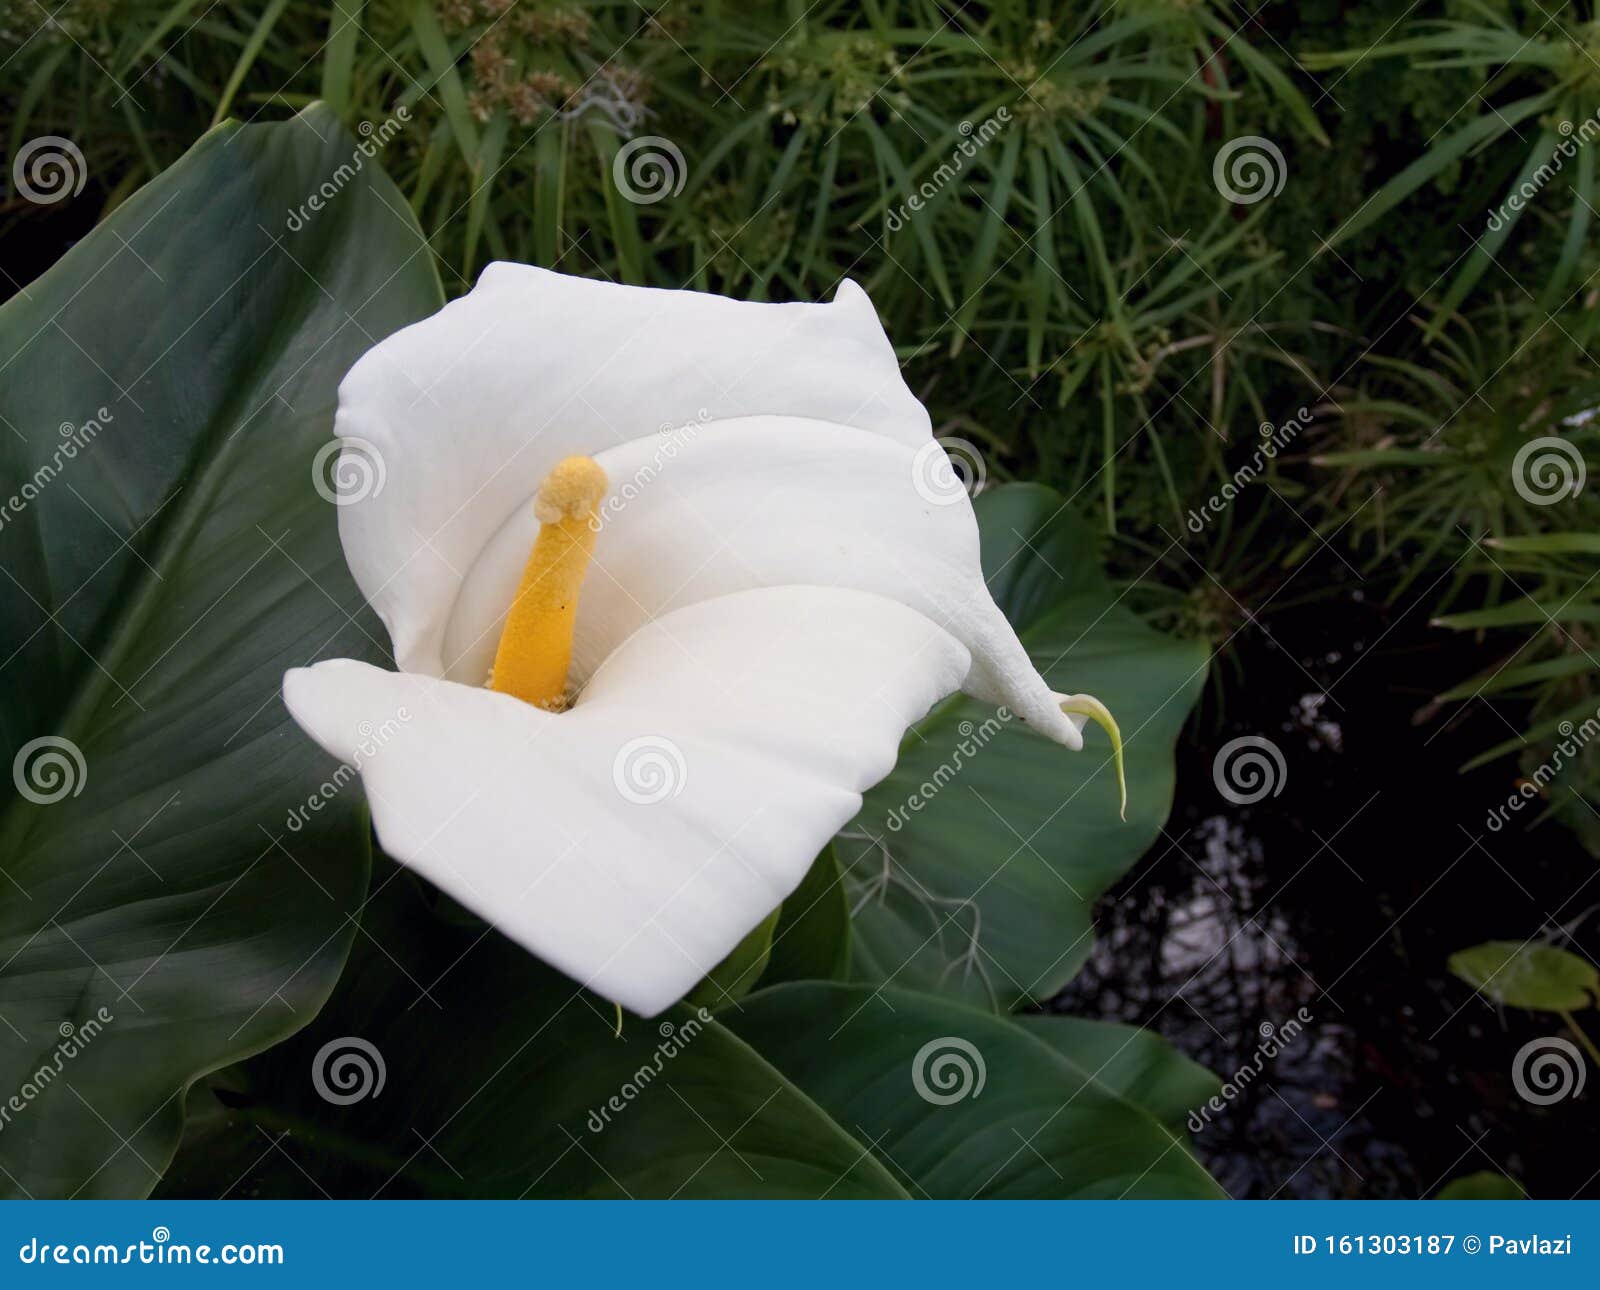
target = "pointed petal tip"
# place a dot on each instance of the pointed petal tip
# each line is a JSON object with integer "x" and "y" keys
{"x": 1086, "y": 705}
{"x": 849, "y": 291}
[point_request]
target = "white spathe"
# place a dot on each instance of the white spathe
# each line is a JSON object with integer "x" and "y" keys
{"x": 776, "y": 594}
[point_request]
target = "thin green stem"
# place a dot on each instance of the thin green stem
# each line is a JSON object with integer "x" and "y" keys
{"x": 1588, "y": 1044}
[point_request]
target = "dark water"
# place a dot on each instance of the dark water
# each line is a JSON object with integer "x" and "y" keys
{"x": 1344, "y": 895}
{"x": 32, "y": 238}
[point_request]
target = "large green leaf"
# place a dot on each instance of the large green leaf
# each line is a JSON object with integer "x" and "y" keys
{"x": 503, "y": 1078}
{"x": 1138, "y": 1065}
{"x": 159, "y": 577}
{"x": 962, "y": 1103}
{"x": 1544, "y": 978}
{"x": 975, "y": 864}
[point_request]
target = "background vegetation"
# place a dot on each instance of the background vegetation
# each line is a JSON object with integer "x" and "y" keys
{"x": 1078, "y": 300}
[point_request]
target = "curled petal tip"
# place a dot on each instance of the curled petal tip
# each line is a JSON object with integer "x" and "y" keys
{"x": 1086, "y": 705}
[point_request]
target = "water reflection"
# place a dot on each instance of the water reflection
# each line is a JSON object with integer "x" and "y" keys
{"x": 1343, "y": 895}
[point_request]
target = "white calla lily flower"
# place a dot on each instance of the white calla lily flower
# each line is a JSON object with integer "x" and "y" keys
{"x": 774, "y": 586}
